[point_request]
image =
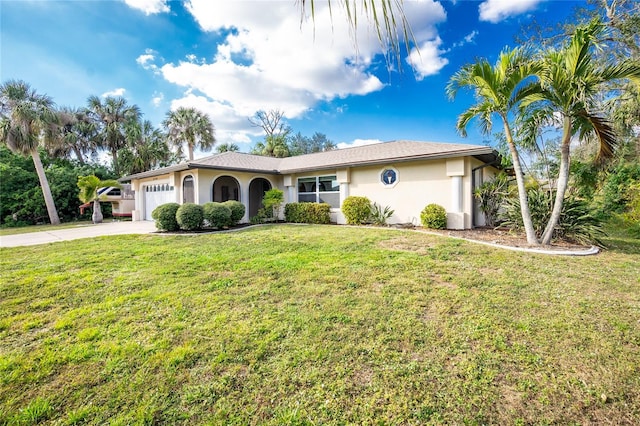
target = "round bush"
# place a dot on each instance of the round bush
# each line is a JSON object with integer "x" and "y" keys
{"x": 165, "y": 217}
{"x": 237, "y": 210}
{"x": 217, "y": 214}
{"x": 356, "y": 210}
{"x": 434, "y": 216}
{"x": 190, "y": 217}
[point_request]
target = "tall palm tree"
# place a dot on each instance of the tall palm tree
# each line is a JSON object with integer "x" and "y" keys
{"x": 73, "y": 135}
{"x": 190, "y": 126}
{"x": 113, "y": 116}
{"x": 24, "y": 115}
{"x": 89, "y": 192}
{"x": 499, "y": 89}
{"x": 572, "y": 84}
{"x": 147, "y": 149}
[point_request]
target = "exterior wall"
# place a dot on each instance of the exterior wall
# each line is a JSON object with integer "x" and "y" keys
{"x": 418, "y": 184}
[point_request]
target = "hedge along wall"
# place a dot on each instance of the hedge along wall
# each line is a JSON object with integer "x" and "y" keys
{"x": 307, "y": 213}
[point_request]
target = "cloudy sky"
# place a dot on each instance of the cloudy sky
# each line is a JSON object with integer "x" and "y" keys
{"x": 231, "y": 58}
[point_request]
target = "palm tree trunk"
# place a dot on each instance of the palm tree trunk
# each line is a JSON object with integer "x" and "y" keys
{"x": 46, "y": 190}
{"x": 116, "y": 167}
{"x": 78, "y": 155}
{"x": 522, "y": 191}
{"x": 190, "y": 151}
{"x": 562, "y": 183}
{"x": 97, "y": 217}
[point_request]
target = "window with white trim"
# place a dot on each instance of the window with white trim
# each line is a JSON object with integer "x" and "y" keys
{"x": 319, "y": 189}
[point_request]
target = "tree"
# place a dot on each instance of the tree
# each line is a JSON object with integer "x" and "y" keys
{"x": 147, "y": 149}
{"x": 24, "y": 116}
{"x": 227, "y": 147}
{"x": 499, "y": 89}
{"x": 113, "y": 117}
{"x": 273, "y": 146}
{"x": 272, "y": 122}
{"x": 387, "y": 16}
{"x": 299, "y": 144}
{"x": 89, "y": 192}
{"x": 572, "y": 83}
{"x": 74, "y": 134}
{"x": 190, "y": 126}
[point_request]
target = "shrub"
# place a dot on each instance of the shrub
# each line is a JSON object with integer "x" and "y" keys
{"x": 237, "y": 210}
{"x": 577, "y": 221}
{"x": 190, "y": 217}
{"x": 356, "y": 210}
{"x": 217, "y": 214}
{"x": 272, "y": 201}
{"x": 490, "y": 196}
{"x": 165, "y": 217}
{"x": 434, "y": 216}
{"x": 307, "y": 213}
{"x": 379, "y": 216}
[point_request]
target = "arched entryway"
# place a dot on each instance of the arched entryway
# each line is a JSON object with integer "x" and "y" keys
{"x": 225, "y": 188}
{"x": 257, "y": 188}
{"x": 188, "y": 193}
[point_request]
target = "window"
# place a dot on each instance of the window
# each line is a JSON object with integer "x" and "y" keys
{"x": 389, "y": 177}
{"x": 320, "y": 189}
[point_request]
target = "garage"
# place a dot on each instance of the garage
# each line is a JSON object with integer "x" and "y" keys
{"x": 156, "y": 195}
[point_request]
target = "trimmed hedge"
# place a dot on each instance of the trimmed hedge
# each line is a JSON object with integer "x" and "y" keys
{"x": 190, "y": 217}
{"x": 237, "y": 210}
{"x": 165, "y": 217}
{"x": 307, "y": 213}
{"x": 217, "y": 214}
{"x": 356, "y": 210}
{"x": 434, "y": 216}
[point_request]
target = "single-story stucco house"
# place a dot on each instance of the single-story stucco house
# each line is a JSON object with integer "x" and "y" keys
{"x": 404, "y": 175}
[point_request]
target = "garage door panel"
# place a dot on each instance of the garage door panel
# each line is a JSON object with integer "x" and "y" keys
{"x": 156, "y": 195}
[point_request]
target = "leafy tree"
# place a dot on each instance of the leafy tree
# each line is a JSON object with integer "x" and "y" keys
{"x": 299, "y": 144}
{"x": 191, "y": 127}
{"x": 499, "y": 89}
{"x": 147, "y": 149}
{"x": 113, "y": 118}
{"x": 273, "y": 146}
{"x": 24, "y": 115}
{"x": 571, "y": 83}
{"x": 227, "y": 147}
{"x": 73, "y": 135}
{"x": 89, "y": 192}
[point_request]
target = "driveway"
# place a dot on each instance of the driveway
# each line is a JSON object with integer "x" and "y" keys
{"x": 76, "y": 232}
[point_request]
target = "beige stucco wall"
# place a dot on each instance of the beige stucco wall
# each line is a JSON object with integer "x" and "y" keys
{"x": 203, "y": 184}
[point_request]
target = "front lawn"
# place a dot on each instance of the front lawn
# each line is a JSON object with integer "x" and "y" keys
{"x": 316, "y": 325}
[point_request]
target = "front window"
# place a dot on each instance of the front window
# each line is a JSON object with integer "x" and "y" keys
{"x": 319, "y": 189}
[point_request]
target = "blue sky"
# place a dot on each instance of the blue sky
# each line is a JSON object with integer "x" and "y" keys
{"x": 231, "y": 58}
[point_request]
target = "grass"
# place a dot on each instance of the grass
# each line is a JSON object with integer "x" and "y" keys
{"x": 316, "y": 325}
{"x": 47, "y": 227}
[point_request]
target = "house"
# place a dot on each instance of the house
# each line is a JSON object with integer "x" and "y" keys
{"x": 122, "y": 200}
{"x": 405, "y": 175}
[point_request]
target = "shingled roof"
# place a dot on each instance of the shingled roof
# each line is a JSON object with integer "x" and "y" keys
{"x": 380, "y": 153}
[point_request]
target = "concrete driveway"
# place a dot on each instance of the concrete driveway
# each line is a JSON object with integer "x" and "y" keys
{"x": 76, "y": 232}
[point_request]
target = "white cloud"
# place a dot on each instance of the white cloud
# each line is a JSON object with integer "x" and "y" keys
{"x": 357, "y": 142}
{"x": 429, "y": 60}
{"x": 147, "y": 60}
{"x": 115, "y": 92}
{"x": 149, "y": 7}
{"x": 469, "y": 38}
{"x": 498, "y": 10}
{"x": 281, "y": 63}
{"x": 157, "y": 99}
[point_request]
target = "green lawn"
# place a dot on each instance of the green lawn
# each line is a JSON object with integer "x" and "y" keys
{"x": 316, "y": 325}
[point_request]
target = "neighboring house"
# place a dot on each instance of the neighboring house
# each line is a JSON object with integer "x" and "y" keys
{"x": 404, "y": 175}
{"x": 121, "y": 199}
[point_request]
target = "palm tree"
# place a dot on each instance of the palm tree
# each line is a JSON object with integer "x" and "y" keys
{"x": 190, "y": 126}
{"x": 572, "y": 82}
{"x": 228, "y": 147}
{"x": 24, "y": 115}
{"x": 89, "y": 192}
{"x": 499, "y": 89}
{"x": 73, "y": 135}
{"x": 147, "y": 149}
{"x": 113, "y": 116}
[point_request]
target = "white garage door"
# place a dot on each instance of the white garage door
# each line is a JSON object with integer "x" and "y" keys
{"x": 155, "y": 195}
